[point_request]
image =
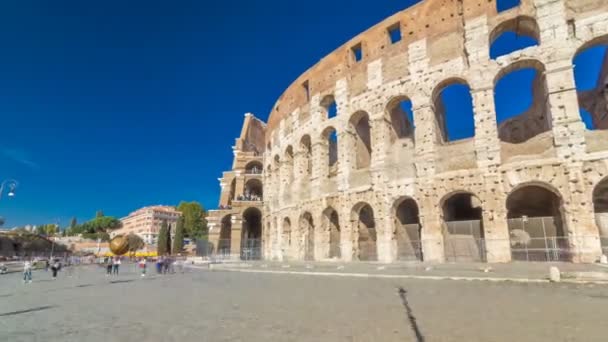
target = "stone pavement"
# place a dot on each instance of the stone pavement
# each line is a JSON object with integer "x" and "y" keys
{"x": 227, "y": 306}
{"x": 515, "y": 271}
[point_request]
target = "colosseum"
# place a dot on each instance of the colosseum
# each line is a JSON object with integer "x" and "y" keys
{"x": 359, "y": 164}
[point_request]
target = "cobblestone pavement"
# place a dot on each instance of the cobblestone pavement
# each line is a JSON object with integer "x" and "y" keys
{"x": 225, "y": 306}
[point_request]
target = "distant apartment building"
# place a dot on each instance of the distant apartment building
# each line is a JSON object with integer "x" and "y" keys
{"x": 146, "y": 222}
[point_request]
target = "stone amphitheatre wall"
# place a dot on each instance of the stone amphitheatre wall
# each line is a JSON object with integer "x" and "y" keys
{"x": 442, "y": 42}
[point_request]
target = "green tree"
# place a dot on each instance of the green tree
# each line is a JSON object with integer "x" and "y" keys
{"x": 99, "y": 213}
{"x": 178, "y": 237}
{"x": 135, "y": 242}
{"x": 195, "y": 222}
{"x": 40, "y": 229}
{"x": 163, "y": 239}
{"x": 50, "y": 229}
{"x": 73, "y": 223}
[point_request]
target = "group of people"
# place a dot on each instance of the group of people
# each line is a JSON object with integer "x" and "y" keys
{"x": 28, "y": 265}
{"x": 249, "y": 197}
{"x": 112, "y": 265}
{"x": 164, "y": 265}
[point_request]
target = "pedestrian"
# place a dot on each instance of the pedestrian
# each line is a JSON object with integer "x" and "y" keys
{"x": 46, "y": 265}
{"x": 166, "y": 263}
{"x": 115, "y": 265}
{"x": 142, "y": 266}
{"x": 108, "y": 266}
{"x": 159, "y": 265}
{"x": 55, "y": 268}
{"x": 27, "y": 272}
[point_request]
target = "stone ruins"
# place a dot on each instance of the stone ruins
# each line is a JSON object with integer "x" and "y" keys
{"x": 358, "y": 163}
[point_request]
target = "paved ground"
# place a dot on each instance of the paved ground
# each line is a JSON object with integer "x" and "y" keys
{"x": 226, "y": 306}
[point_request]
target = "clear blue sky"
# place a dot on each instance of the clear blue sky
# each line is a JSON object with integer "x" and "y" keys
{"x": 114, "y": 105}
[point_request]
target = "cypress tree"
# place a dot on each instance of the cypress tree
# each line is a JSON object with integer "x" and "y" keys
{"x": 178, "y": 237}
{"x": 163, "y": 239}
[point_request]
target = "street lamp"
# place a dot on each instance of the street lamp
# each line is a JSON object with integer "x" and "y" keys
{"x": 11, "y": 184}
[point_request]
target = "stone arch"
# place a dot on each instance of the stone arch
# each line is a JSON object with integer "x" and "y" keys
{"x": 328, "y": 104}
{"x": 232, "y": 191}
{"x": 407, "y": 229}
{"x": 399, "y": 110}
{"x": 251, "y": 234}
{"x": 453, "y": 107}
{"x": 254, "y": 190}
{"x": 600, "y": 207}
{"x": 254, "y": 167}
{"x": 515, "y": 34}
{"x": 287, "y": 235}
{"x": 536, "y": 223}
{"x": 331, "y": 228}
{"x": 306, "y": 151}
{"x": 224, "y": 241}
{"x": 360, "y": 126}
{"x": 521, "y": 124}
{"x": 362, "y": 215}
{"x": 592, "y": 59}
{"x": 463, "y": 232}
{"x": 307, "y": 231}
{"x": 330, "y": 136}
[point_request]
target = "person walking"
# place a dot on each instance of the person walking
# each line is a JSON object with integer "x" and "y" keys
{"x": 142, "y": 266}
{"x": 27, "y": 272}
{"x": 109, "y": 266}
{"x": 115, "y": 265}
{"x": 159, "y": 265}
{"x": 55, "y": 268}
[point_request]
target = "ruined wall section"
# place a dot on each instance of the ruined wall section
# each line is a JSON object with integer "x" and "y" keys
{"x": 482, "y": 165}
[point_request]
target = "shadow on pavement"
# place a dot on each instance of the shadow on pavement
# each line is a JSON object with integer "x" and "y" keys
{"x": 40, "y": 308}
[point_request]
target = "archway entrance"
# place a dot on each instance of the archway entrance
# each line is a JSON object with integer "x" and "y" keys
{"x": 600, "y": 207}
{"x": 463, "y": 237}
{"x": 286, "y": 238}
{"x": 366, "y": 231}
{"x": 331, "y": 225}
{"x": 223, "y": 244}
{"x": 407, "y": 230}
{"x": 307, "y": 229}
{"x": 251, "y": 238}
{"x": 535, "y": 225}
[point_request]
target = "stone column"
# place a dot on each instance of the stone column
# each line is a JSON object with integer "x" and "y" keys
{"x": 346, "y": 234}
{"x": 431, "y": 234}
{"x": 235, "y": 236}
{"x": 494, "y": 219}
{"x": 317, "y": 169}
{"x": 347, "y": 157}
{"x": 487, "y": 143}
{"x": 384, "y": 232}
{"x": 426, "y": 136}
{"x": 380, "y": 141}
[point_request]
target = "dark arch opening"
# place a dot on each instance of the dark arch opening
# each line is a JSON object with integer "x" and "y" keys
{"x": 254, "y": 167}
{"x": 513, "y": 35}
{"x": 286, "y": 235}
{"x": 591, "y": 79}
{"x": 306, "y": 148}
{"x": 331, "y": 137}
{"x": 463, "y": 228}
{"x": 254, "y": 190}
{"x": 407, "y": 230}
{"x": 223, "y": 245}
{"x": 453, "y": 106}
{"x": 332, "y": 229}
{"x": 535, "y": 225}
{"x": 359, "y": 123}
{"x": 402, "y": 117}
{"x": 329, "y": 105}
{"x": 366, "y": 228}
{"x": 600, "y": 207}
{"x": 251, "y": 238}
{"x": 529, "y": 116}
{"x": 307, "y": 228}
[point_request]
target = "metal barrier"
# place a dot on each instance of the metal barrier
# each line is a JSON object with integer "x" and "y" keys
{"x": 251, "y": 249}
{"x": 537, "y": 239}
{"x": 463, "y": 241}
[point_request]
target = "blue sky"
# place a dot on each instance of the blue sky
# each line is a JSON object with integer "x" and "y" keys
{"x": 114, "y": 105}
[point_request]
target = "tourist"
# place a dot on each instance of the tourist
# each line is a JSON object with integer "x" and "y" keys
{"x": 166, "y": 263}
{"x": 55, "y": 268}
{"x": 46, "y": 265}
{"x": 109, "y": 266}
{"x": 142, "y": 266}
{"x": 116, "y": 265}
{"x": 159, "y": 265}
{"x": 27, "y": 272}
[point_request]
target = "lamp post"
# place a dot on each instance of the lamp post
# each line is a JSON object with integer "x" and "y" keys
{"x": 11, "y": 184}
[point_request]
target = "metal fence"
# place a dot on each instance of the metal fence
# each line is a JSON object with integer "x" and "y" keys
{"x": 251, "y": 249}
{"x": 409, "y": 244}
{"x": 538, "y": 239}
{"x": 463, "y": 241}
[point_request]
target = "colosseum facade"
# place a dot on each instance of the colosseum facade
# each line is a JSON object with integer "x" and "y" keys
{"x": 352, "y": 173}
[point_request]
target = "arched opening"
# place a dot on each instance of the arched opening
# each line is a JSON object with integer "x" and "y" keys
{"x": 232, "y": 192}
{"x": 529, "y": 116}
{"x": 407, "y": 230}
{"x": 463, "y": 228}
{"x": 307, "y": 229}
{"x": 306, "y": 150}
{"x": 254, "y": 168}
{"x": 253, "y": 190}
{"x": 329, "y": 106}
{"x": 286, "y": 238}
{"x": 453, "y": 107}
{"x": 503, "y": 5}
{"x": 513, "y": 35}
{"x": 288, "y": 162}
{"x": 223, "y": 245}
{"x": 251, "y": 238}
{"x": 366, "y": 232}
{"x": 591, "y": 79}
{"x": 402, "y": 118}
{"x": 331, "y": 138}
{"x": 359, "y": 124}
{"x": 331, "y": 227}
{"x": 535, "y": 225}
{"x": 600, "y": 207}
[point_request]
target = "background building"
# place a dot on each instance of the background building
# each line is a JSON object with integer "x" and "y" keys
{"x": 146, "y": 222}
